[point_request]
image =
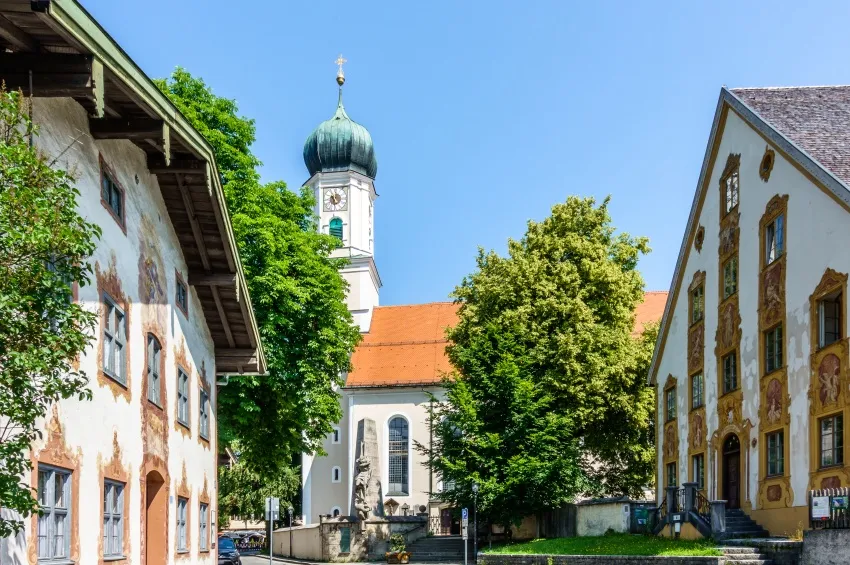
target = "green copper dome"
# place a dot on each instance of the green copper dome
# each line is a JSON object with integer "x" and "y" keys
{"x": 340, "y": 144}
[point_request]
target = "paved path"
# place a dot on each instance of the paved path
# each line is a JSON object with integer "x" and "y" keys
{"x": 264, "y": 560}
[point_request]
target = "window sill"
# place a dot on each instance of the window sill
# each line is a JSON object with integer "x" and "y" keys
{"x": 398, "y": 494}
{"x": 155, "y": 405}
{"x": 114, "y": 557}
{"x": 697, "y": 407}
{"x": 182, "y": 552}
{"x": 203, "y": 438}
{"x": 830, "y": 467}
{"x": 776, "y": 476}
{"x": 109, "y": 375}
{"x": 185, "y": 425}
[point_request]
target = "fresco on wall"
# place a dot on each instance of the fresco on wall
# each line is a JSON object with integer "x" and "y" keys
{"x": 829, "y": 378}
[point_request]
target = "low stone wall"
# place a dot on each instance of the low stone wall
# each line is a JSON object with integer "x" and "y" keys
{"x": 826, "y": 547}
{"x": 498, "y": 559}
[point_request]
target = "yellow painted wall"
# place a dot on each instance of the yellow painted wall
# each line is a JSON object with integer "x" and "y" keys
{"x": 782, "y": 521}
{"x": 688, "y": 532}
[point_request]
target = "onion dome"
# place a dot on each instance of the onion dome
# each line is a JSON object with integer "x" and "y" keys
{"x": 340, "y": 144}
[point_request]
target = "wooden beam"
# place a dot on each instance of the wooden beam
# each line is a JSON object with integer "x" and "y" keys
{"x": 223, "y": 315}
{"x": 158, "y": 166}
{"x": 193, "y": 221}
{"x": 16, "y": 37}
{"x": 136, "y": 129}
{"x": 53, "y": 74}
{"x": 233, "y": 352}
{"x": 212, "y": 279}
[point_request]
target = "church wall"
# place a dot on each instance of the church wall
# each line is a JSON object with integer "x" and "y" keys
{"x": 380, "y": 405}
{"x": 815, "y": 224}
{"x": 119, "y": 434}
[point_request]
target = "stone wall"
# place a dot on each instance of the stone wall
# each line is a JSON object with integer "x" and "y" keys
{"x": 826, "y": 547}
{"x": 495, "y": 559}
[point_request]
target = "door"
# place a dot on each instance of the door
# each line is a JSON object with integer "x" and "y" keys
{"x": 445, "y": 521}
{"x": 732, "y": 471}
{"x": 156, "y": 520}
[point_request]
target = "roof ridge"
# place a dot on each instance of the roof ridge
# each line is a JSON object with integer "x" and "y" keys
{"x": 415, "y": 305}
{"x": 812, "y": 86}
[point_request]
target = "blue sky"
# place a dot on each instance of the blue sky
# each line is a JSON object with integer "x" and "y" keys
{"x": 485, "y": 114}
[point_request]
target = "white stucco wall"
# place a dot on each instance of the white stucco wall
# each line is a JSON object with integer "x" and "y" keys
{"x": 380, "y": 405}
{"x": 88, "y": 428}
{"x": 597, "y": 519}
{"x": 815, "y": 226}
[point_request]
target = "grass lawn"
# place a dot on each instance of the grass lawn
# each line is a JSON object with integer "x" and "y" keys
{"x": 611, "y": 544}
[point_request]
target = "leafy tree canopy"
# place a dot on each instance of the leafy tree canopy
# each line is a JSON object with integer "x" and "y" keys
{"x": 44, "y": 244}
{"x": 296, "y": 289}
{"x": 548, "y": 400}
{"x": 242, "y": 492}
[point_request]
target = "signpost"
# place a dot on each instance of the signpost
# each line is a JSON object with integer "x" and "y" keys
{"x": 272, "y": 514}
{"x": 465, "y": 531}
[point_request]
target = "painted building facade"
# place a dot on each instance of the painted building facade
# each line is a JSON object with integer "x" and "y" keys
{"x": 401, "y": 360}
{"x": 751, "y": 362}
{"x": 130, "y": 476}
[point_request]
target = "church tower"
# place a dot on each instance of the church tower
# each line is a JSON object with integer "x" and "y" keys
{"x": 341, "y": 161}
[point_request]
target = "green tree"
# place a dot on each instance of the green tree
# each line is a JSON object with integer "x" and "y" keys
{"x": 44, "y": 244}
{"x": 548, "y": 399}
{"x": 242, "y": 492}
{"x": 297, "y": 292}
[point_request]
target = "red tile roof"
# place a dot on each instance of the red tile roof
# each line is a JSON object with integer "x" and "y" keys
{"x": 406, "y": 345}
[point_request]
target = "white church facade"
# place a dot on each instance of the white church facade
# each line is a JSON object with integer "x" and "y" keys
{"x": 399, "y": 364}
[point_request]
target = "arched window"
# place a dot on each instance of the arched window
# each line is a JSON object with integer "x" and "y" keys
{"x": 398, "y": 448}
{"x": 335, "y": 511}
{"x": 335, "y": 228}
{"x": 336, "y": 475}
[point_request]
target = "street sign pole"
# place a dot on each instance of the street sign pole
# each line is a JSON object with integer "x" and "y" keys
{"x": 272, "y": 514}
{"x": 465, "y": 530}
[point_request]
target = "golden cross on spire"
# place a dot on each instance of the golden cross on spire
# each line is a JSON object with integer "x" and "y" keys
{"x": 340, "y": 75}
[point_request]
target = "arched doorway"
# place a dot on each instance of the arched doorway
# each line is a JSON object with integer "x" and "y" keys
{"x": 732, "y": 471}
{"x": 156, "y": 519}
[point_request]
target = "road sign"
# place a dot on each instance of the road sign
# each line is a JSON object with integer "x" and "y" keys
{"x": 465, "y": 523}
{"x": 272, "y": 508}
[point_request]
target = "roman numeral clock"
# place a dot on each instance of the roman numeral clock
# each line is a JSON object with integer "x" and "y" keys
{"x": 335, "y": 199}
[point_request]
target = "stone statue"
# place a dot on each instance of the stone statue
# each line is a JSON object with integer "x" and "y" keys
{"x": 361, "y": 485}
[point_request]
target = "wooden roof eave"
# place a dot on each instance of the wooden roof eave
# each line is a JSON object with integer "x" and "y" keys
{"x": 72, "y": 21}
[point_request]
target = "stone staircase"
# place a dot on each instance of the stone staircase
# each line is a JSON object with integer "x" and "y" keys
{"x": 744, "y": 556}
{"x": 438, "y": 548}
{"x": 739, "y": 525}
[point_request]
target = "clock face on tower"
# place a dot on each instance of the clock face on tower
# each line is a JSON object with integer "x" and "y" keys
{"x": 335, "y": 199}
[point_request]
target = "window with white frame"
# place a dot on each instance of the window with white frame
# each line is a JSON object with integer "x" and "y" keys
{"x": 54, "y": 523}
{"x": 182, "y": 543}
{"x": 204, "y": 425}
{"x": 829, "y": 319}
{"x": 203, "y": 517}
{"x": 114, "y": 341}
{"x": 113, "y": 519}
{"x": 399, "y": 441}
{"x": 182, "y": 397}
{"x": 336, "y": 475}
{"x": 154, "y": 357}
{"x": 774, "y": 240}
{"x": 336, "y": 435}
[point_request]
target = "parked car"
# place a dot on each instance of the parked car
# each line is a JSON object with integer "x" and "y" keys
{"x": 227, "y": 552}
